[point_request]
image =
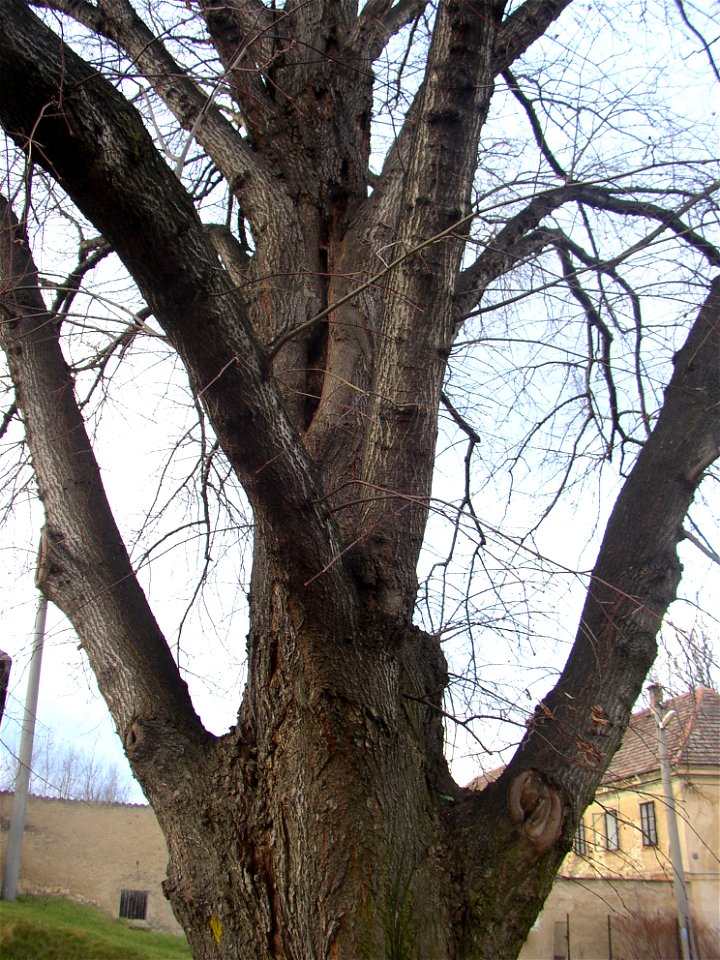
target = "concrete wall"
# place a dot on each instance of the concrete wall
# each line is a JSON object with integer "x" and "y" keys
{"x": 92, "y": 851}
{"x": 585, "y": 905}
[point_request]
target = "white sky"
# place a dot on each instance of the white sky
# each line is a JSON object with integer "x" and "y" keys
{"x": 134, "y": 434}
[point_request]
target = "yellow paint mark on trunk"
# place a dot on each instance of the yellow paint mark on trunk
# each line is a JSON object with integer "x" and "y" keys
{"x": 216, "y": 928}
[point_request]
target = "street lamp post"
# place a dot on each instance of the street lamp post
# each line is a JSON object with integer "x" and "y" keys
{"x": 22, "y": 779}
{"x": 13, "y": 853}
{"x": 687, "y": 939}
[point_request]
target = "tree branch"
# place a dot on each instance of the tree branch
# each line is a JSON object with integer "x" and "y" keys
{"x": 577, "y": 728}
{"x": 194, "y": 111}
{"x": 602, "y": 199}
{"x": 87, "y": 572}
{"x": 512, "y": 37}
{"x": 535, "y": 126}
{"x": 697, "y": 542}
{"x": 90, "y": 255}
{"x": 705, "y": 45}
{"x": 61, "y": 111}
{"x": 5, "y": 666}
{"x": 8, "y": 417}
{"x": 521, "y": 29}
{"x": 402, "y": 421}
{"x": 503, "y": 251}
{"x": 252, "y": 20}
{"x": 594, "y": 321}
{"x": 380, "y": 21}
{"x": 243, "y": 33}
{"x": 637, "y": 570}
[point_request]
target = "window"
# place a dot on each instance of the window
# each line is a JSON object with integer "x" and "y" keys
{"x": 606, "y": 830}
{"x": 580, "y": 841}
{"x": 561, "y": 939}
{"x": 133, "y": 904}
{"x": 598, "y": 829}
{"x": 648, "y": 824}
{"x": 612, "y": 830}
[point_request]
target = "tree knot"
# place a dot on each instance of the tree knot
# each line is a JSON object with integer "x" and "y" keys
{"x": 536, "y": 807}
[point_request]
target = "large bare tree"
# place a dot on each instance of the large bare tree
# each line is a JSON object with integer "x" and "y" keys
{"x": 317, "y": 325}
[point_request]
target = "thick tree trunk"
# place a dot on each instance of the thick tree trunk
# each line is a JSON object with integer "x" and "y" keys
{"x": 314, "y": 830}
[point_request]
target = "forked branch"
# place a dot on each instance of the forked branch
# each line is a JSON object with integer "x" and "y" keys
{"x": 87, "y": 572}
{"x": 577, "y": 728}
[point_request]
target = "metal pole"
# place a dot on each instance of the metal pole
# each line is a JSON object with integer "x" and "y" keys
{"x": 567, "y": 934}
{"x": 27, "y": 736}
{"x": 687, "y": 940}
{"x": 22, "y": 780}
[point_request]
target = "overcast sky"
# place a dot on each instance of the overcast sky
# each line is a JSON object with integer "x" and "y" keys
{"x": 147, "y": 414}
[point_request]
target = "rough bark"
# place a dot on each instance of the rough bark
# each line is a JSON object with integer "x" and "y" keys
{"x": 579, "y": 726}
{"x": 5, "y": 666}
{"x": 325, "y": 824}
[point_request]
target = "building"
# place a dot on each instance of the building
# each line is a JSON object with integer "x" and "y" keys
{"x": 111, "y": 855}
{"x": 614, "y": 896}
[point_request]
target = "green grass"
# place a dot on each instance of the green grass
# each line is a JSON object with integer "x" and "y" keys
{"x": 53, "y": 928}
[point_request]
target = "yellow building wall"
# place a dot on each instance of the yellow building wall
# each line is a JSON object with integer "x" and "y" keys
{"x": 700, "y": 841}
{"x": 635, "y": 881}
{"x": 595, "y": 910}
{"x": 91, "y": 852}
{"x": 697, "y": 802}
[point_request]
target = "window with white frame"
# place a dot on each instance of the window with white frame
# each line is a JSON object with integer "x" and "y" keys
{"x": 580, "y": 841}
{"x": 612, "y": 830}
{"x": 648, "y": 824}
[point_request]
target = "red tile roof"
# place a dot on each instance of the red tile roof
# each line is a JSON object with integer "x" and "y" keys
{"x": 693, "y": 736}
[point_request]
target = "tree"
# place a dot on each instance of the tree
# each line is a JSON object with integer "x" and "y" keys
{"x": 316, "y": 326}
{"x": 68, "y": 773}
{"x": 5, "y": 665}
{"x": 693, "y": 662}
{"x": 645, "y": 936}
